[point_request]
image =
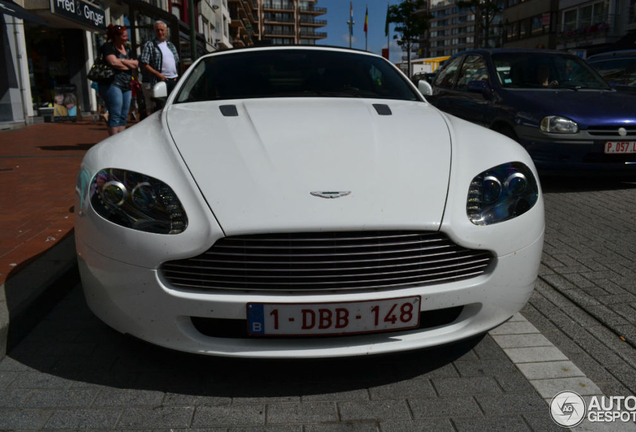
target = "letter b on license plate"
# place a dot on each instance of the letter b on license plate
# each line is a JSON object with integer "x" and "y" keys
{"x": 306, "y": 319}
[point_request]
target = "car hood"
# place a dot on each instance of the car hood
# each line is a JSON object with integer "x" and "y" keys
{"x": 586, "y": 107}
{"x": 261, "y": 164}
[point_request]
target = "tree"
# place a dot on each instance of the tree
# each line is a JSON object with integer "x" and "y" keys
{"x": 485, "y": 12}
{"x": 411, "y": 21}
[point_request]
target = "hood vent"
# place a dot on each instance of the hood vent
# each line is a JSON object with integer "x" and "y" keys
{"x": 382, "y": 109}
{"x": 229, "y": 110}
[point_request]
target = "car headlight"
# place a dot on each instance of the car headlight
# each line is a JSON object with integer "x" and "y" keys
{"x": 501, "y": 193}
{"x": 137, "y": 201}
{"x": 557, "y": 124}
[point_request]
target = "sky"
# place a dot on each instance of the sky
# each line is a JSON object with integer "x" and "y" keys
{"x": 337, "y": 28}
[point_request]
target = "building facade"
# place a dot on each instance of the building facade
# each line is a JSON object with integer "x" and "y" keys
{"x": 46, "y": 64}
{"x": 276, "y": 22}
{"x": 453, "y": 29}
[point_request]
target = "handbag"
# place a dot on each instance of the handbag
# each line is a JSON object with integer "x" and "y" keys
{"x": 101, "y": 72}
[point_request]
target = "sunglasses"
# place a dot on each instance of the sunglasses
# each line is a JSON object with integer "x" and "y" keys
{"x": 118, "y": 28}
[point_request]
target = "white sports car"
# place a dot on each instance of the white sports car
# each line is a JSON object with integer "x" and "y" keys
{"x": 305, "y": 202}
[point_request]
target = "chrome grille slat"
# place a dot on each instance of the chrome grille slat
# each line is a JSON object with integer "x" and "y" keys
{"x": 339, "y": 281}
{"x": 342, "y": 274}
{"x": 326, "y": 246}
{"x": 327, "y": 261}
{"x": 342, "y": 268}
{"x": 322, "y": 254}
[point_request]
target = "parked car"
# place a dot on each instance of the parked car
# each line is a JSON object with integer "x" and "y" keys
{"x": 618, "y": 68}
{"x": 553, "y": 103}
{"x": 426, "y": 76}
{"x": 312, "y": 204}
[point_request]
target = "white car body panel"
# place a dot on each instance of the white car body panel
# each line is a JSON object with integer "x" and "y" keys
{"x": 257, "y": 169}
{"x": 254, "y": 173}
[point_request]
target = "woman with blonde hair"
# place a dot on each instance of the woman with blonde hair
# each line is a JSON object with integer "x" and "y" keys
{"x": 116, "y": 93}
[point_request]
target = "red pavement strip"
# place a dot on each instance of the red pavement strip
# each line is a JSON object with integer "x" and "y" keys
{"x": 38, "y": 168}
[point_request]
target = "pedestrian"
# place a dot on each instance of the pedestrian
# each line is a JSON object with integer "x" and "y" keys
{"x": 116, "y": 93}
{"x": 159, "y": 61}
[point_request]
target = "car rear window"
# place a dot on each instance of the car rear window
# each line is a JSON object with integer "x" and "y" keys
{"x": 294, "y": 73}
{"x": 527, "y": 70}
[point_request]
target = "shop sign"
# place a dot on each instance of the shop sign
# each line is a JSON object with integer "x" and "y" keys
{"x": 81, "y": 12}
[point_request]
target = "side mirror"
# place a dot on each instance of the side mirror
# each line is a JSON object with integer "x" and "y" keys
{"x": 425, "y": 88}
{"x": 160, "y": 90}
{"x": 479, "y": 87}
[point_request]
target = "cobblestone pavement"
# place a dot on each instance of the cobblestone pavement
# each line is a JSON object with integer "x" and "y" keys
{"x": 72, "y": 372}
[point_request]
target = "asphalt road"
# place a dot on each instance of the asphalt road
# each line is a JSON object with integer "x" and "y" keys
{"x": 72, "y": 372}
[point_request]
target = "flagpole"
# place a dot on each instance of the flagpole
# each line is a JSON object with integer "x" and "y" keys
{"x": 350, "y": 22}
{"x": 366, "y": 30}
{"x": 388, "y": 33}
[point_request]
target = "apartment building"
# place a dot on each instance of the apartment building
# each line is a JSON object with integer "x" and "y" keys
{"x": 276, "y": 22}
{"x": 453, "y": 29}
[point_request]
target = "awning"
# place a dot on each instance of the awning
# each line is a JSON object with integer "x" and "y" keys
{"x": 10, "y": 8}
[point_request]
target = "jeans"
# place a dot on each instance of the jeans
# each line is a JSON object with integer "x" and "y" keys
{"x": 117, "y": 102}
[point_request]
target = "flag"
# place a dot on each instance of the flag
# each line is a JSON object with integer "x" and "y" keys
{"x": 386, "y": 24}
{"x": 351, "y": 18}
{"x": 366, "y": 20}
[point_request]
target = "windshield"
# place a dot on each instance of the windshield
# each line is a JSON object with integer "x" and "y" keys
{"x": 527, "y": 70}
{"x": 294, "y": 73}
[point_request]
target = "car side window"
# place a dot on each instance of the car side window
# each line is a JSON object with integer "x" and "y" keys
{"x": 621, "y": 71}
{"x": 473, "y": 69}
{"x": 446, "y": 77}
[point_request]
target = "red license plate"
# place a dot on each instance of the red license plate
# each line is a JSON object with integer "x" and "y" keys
{"x": 620, "y": 147}
{"x": 312, "y": 319}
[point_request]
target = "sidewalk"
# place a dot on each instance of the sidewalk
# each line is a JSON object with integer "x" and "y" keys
{"x": 38, "y": 168}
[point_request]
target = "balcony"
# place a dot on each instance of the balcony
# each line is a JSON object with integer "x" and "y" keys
{"x": 318, "y": 35}
{"x": 313, "y": 10}
{"x": 306, "y": 21}
{"x": 278, "y": 6}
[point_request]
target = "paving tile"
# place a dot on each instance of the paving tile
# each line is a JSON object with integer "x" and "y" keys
{"x": 19, "y": 419}
{"x": 516, "y": 328}
{"x": 428, "y": 425}
{"x": 374, "y": 410}
{"x": 535, "y": 354}
{"x": 522, "y": 341}
{"x": 485, "y": 368}
{"x": 343, "y": 427}
{"x": 547, "y": 370}
{"x": 156, "y": 417}
{"x": 445, "y": 407}
{"x": 505, "y": 404}
{"x": 492, "y": 424}
{"x": 229, "y": 416}
{"x": 112, "y": 397}
{"x": 547, "y": 388}
{"x": 84, "y": 419}
{"x": 416, "y": 388}
{"x": 466, "y": 386}
{"x": 309, "y": 412}
{"x": 77, "y": 398}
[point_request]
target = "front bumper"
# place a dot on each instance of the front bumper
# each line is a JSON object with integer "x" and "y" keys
{"x": 572, "y": 154}
{"x": 137, "y": 301}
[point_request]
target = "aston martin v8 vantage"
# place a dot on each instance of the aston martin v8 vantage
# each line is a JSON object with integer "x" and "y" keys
{"x": 299, "y": 202}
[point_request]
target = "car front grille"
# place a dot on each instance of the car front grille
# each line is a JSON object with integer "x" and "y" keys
{"x": 612, "y": 131}
{"x": 327, "y": 261}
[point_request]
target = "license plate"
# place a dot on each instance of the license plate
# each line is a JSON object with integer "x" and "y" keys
{"x": 311, "y": 319}
{"x": 620, "y": 147}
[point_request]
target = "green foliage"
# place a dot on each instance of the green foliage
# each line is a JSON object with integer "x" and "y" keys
{"x": 410, "y": 19}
